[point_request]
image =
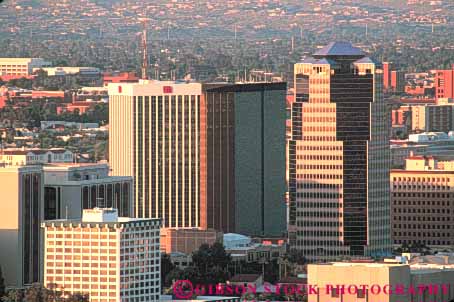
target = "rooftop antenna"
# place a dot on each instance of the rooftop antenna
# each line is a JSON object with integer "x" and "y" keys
{"x": 433, "y": 28}
{"x": 235, "y": 32}
{"x": 168, "y": 31}
{"x": 367, "y": 30}
{"x": 293, "y": 44}
{"x": 144, "y": 49}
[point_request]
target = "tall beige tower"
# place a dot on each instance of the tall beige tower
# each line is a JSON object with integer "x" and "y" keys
{"x": 339, "y": 157}
{"x": 154, "y": 136}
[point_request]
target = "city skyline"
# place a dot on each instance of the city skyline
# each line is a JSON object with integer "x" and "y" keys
{"x": 212, "y": 151}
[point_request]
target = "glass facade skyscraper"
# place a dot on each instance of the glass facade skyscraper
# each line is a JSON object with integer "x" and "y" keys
{"x": 339, "y": 156}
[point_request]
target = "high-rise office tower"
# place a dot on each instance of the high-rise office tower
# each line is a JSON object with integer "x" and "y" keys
{"x": 154, "y": 136}
{"x": 245, "y": 158}
{"x": 109, "y": 258}
{"x": 20, "y": 216}
{"x": 339, "y": 156}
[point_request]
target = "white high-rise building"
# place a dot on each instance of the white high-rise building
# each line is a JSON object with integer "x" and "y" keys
{"x": 110, "y": 258}
{"x": 154, "y": 136}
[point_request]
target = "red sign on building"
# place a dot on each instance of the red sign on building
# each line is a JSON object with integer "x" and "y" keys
{"x": 167, "y": 89}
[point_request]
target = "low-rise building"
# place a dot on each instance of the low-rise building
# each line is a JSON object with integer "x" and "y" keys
{"x": 187, "y": 240}
{"x": 380, "y": 282}
{"x": 69, "y": 70}
{"x": 242, "y": 248}
{"x": 21, "y": 157}
{"x": 20, "y": 66}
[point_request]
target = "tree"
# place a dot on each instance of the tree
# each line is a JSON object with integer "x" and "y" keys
{"x": 13, "y": 295}
{"x": 212, "y": 263}
{"x": 190, "y": 273}
{"x": 37, "y": 293}
{"x": 297, "y": 257}
{"x": 21, "y": 83}
{"x": 166, "y": 267}
{"x": 209, "y": 257}
{"x": 2, "y": 284}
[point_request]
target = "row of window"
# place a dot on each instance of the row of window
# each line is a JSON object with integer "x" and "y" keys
{"x": 427, "y": 242}
{"x": 317, "y": 176}
{"x": 319, "y": 148}
{"x": 420, "y": 186}
{"x": 421, "y": 234}
{"x": 421, "y": 226}
{"x": 411, "y": 218}
{"x": 444, "y": 211}
{"x": 424, "y": 202}
{"x": 78, "y": 257}
{"x": 423, "y": 179}
{"x": 319, "y": 167}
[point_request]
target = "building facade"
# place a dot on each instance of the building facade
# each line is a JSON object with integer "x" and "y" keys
{"x": 339, "y": 156}
{"x": 387, "y": 67}
{"x": 244, "y": 165}
{"x": 110, "y": 258}
{"x": 154, "y": 136}
{"x": 20, "y": 217}
{"x": 397, "y": 81}
{"x": 380, "y": 282}
{"x": 439, "y": 117}
{"x": 187, "y": 240}
{"x": 422, "y": 202}
{"x": 71, "y": 188}
{"x": 444, "y": 83}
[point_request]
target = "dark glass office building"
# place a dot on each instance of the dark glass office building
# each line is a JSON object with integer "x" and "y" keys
{"x": 244, "y": 166}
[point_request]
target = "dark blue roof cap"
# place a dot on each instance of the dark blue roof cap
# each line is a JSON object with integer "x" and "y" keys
{"x": 339, "y": 49}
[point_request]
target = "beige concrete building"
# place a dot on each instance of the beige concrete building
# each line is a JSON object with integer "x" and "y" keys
{"x": 111, "y": 258}
{"x": 380, "y": 282}
{"x": 154, "y": 136}
{"x": 21, "y": 213}
{"x": 21, "y": 66}
{"x": 422, "y": 202}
